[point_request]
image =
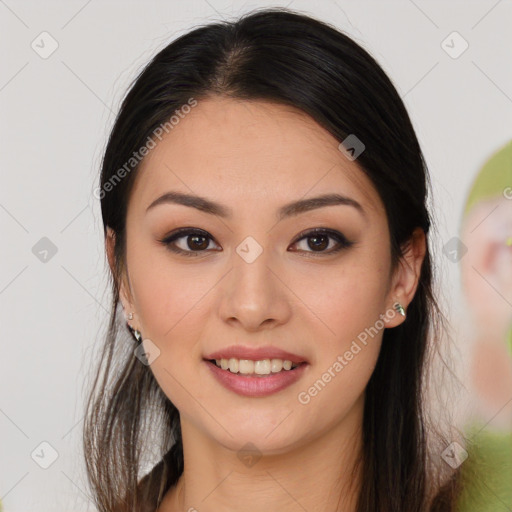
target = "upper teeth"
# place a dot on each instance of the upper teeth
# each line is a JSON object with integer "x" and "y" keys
{"x": 261, "y": 367}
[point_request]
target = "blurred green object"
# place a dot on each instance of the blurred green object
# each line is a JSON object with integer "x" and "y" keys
{"x": 487, "y": 472}
{"x": 494, "y": 177}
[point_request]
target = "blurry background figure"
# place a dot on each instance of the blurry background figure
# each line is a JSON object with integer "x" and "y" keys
{"x": 486, "y": 271}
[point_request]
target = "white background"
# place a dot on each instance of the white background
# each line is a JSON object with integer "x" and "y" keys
{"x": 55, "y": 117}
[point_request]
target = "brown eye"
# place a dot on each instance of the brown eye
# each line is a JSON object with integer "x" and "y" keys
{"x": 318, "y": 240}
{"x": 195, "y": 241}
{"x": 198, "y": 242}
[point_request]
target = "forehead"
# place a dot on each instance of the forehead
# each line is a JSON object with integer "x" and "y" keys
{"x": 255, "y": 150}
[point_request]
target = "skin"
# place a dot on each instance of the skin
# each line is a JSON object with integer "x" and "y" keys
{"x": 254, "y": 157}
{"x": 486, "y": 274}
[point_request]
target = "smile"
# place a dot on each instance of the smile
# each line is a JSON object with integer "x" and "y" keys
{"x": 255, "y": 378}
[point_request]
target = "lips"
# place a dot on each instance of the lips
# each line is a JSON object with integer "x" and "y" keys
{"x": 256, "y": 386}
{"x": 255, "y": 354}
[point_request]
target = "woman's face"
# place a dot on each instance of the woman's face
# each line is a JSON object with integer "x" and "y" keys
{"x": 251, "y": 278}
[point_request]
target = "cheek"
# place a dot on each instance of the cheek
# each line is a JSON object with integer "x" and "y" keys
{"x": 347, "y": 328}
{"x": 172, "y": 302}
{"x": 346, "y": 298}
{"x": 165, "y": 293}
{"x": 344, "y": 362}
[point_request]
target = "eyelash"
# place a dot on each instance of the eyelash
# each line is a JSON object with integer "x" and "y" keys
{"x": 185, "y": 232}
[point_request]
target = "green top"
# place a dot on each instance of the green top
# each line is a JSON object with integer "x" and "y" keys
{"x": 487, "y": 472}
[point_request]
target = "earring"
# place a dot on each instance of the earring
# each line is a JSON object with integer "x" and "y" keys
{"x": 137, "y": 335}
{"x": 135, "y": 332}
{"x": 399, "y": 308}
{"x": 130, "y": 316}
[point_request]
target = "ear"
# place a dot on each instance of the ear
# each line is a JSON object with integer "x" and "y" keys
{"x": 406, "y": 277}
{"x": 124, "y": 289}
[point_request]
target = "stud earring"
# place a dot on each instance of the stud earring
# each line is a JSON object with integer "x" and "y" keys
{"x": 130, "y": 316}
{"x": 399, "y": 308}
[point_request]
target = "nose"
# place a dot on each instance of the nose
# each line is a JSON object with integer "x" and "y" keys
{"x": 254, "y": 294}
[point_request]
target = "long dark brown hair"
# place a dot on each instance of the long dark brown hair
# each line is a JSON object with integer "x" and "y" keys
{"x": 288, "y": 58}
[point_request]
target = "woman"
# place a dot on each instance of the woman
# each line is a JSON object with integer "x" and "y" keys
{"x": 264, "y": 203}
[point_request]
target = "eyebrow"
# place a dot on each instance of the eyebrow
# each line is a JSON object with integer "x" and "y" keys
{"x": 288, "y": 210}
